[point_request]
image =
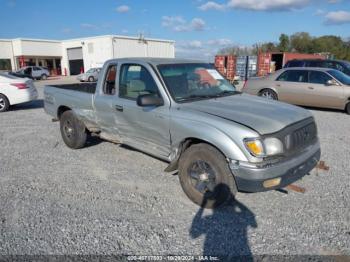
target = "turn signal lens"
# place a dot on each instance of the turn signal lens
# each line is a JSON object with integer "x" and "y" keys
{"x": 255, "y": 147}
{"x": 272, "y": 182}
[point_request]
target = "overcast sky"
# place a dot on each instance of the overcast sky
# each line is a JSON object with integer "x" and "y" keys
{"x": 199, "y": 27}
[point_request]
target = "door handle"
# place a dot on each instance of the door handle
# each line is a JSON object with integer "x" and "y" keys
{"x": 310, "y": 87}
{"x": 119, "y": 108}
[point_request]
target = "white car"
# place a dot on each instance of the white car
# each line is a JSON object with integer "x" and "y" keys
{"x": 14, "y": 90}
{"x": 37, "y": 72}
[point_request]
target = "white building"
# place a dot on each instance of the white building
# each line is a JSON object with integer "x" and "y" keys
{"x": 70, "y": 57}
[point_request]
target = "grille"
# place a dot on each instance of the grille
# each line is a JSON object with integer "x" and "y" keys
{"x": 301, "y": 137}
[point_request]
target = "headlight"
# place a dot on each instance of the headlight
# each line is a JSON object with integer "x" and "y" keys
{"x": 261, "y": 148}
{"x": 273, "y": 146}
{"x": 255, "y": 147}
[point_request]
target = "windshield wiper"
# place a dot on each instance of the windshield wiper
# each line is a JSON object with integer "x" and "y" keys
{"x": 227, "y": 93}
{"x": 194, "y": 97}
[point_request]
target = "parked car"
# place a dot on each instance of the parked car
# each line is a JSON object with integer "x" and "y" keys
{"x": 14, "y": 90}
{"x": 204, "y": 128}
{"x": 91, "y": 75}
{"x": 37, "y": 72}
{"x": 317, "y": 87}
{"x": 343, "y": 66}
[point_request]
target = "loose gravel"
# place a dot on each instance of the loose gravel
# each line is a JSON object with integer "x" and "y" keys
{"x": 108, "y": 199}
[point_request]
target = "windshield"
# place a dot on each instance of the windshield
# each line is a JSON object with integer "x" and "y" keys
{"x": 90, "y": 70}
{"x": 187, "y": 82}
{"x": 341, "y": 77}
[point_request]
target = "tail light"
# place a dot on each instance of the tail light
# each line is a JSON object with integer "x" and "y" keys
{"x": 20, "y": 85}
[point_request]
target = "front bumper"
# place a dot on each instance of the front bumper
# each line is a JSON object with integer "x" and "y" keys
{"x": 251, "y": 179}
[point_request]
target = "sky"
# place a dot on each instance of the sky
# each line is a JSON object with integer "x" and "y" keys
{"x": 199, "y": 27}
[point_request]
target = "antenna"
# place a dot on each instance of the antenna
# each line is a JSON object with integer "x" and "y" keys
{"x": 142, "y": 38}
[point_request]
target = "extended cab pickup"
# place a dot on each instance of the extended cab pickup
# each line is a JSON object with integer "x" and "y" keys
{"x": 186, "y": 113}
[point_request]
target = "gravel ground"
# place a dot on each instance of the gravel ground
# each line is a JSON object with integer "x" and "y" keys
{"x": 107, "y": 199}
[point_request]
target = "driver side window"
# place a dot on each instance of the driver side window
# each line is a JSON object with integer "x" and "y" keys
{"x": 135, "y": 80}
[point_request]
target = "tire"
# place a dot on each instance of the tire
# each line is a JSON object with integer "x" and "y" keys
{"x": 4, "y": 103}
{"x": 73, "y": 131}
{"x": 347, "y": 109}
{"x": 43, "y": 77}
{"x": 269, "y": 94}
{"x": 217, "y": 177}
{"x": 91, "y": 79}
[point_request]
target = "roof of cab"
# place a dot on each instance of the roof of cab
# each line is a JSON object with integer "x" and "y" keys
{"x": 158, "y": 61}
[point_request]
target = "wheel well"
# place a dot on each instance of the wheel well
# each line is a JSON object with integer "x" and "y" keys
{"x": 268, "y": 88}
{"x": 6, "y": 98}
{"x": 193, "y": 141}
{"x": 61, "y": 110}
{"x": 185, "y": 144}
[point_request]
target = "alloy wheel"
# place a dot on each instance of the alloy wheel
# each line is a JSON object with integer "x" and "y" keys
{"x": 2, "y": 103}
{"x": 202, "y": 176}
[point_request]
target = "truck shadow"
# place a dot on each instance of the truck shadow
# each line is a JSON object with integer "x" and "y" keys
{"x": 29, "y": 105}
{"x": 225, "y": 231}
{"x": 93, "y": 141}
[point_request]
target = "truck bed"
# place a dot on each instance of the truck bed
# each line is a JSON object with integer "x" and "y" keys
{"x": 89, "y": 88}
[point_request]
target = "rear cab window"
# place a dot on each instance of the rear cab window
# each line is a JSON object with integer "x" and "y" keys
{"x": 110, "y": 80}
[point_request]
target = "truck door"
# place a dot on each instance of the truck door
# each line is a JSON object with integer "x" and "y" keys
{"x": 105, "y": 99}
{"x": 145, "y": 128}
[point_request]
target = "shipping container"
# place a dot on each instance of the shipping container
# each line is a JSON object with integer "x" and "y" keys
{"x": 246, "y": 67}
{"x": 271, "y": 62}
{"x": 226, "y": 65}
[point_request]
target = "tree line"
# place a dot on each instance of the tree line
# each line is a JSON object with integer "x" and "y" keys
{"x": 302, "y": 42}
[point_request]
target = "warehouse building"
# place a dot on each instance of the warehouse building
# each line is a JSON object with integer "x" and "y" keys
{"x": 70, "y": 57}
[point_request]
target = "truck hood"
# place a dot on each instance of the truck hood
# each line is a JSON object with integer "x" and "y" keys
{"x": 260, "y": 114}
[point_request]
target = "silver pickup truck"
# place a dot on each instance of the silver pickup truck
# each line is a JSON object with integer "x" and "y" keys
{"x": 182, "y": 111}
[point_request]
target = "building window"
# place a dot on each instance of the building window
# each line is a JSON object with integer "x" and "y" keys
{"x": 5, "y": 64}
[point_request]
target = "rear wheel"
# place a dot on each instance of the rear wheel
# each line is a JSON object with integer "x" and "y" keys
{"x": 91, "y": 79}
{"x": 347, "y": 109}
{"x": 73, "y": 130}
{"x": 269, "y": 94}
{"x": 205, "y": 176}
{"x": 4, "y": 103}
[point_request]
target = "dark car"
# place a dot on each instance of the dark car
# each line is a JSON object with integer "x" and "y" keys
{"x": 21, "y": 75}
{"x": 343, "y": 66}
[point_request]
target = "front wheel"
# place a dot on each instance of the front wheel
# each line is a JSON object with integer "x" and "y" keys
{"x": 44, "y": 77}
{"x": 4, "y": 103}
{"x": 269, "y": 94}
{"x": 347, "y": 109}
{"x": 205, "y": 176}
{"x": 73, "y": 131}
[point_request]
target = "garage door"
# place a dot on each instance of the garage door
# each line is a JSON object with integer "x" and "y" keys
{"x": 76, "y": 62}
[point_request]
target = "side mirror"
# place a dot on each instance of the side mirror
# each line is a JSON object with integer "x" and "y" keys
{"x": 331, "y": 82}
{"x": 149, "y": 100}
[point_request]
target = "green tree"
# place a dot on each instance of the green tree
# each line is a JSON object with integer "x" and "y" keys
{"x": 301, "y": 42}
{"x": 284, "y": 44}
{"x": 331, "y": 44}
